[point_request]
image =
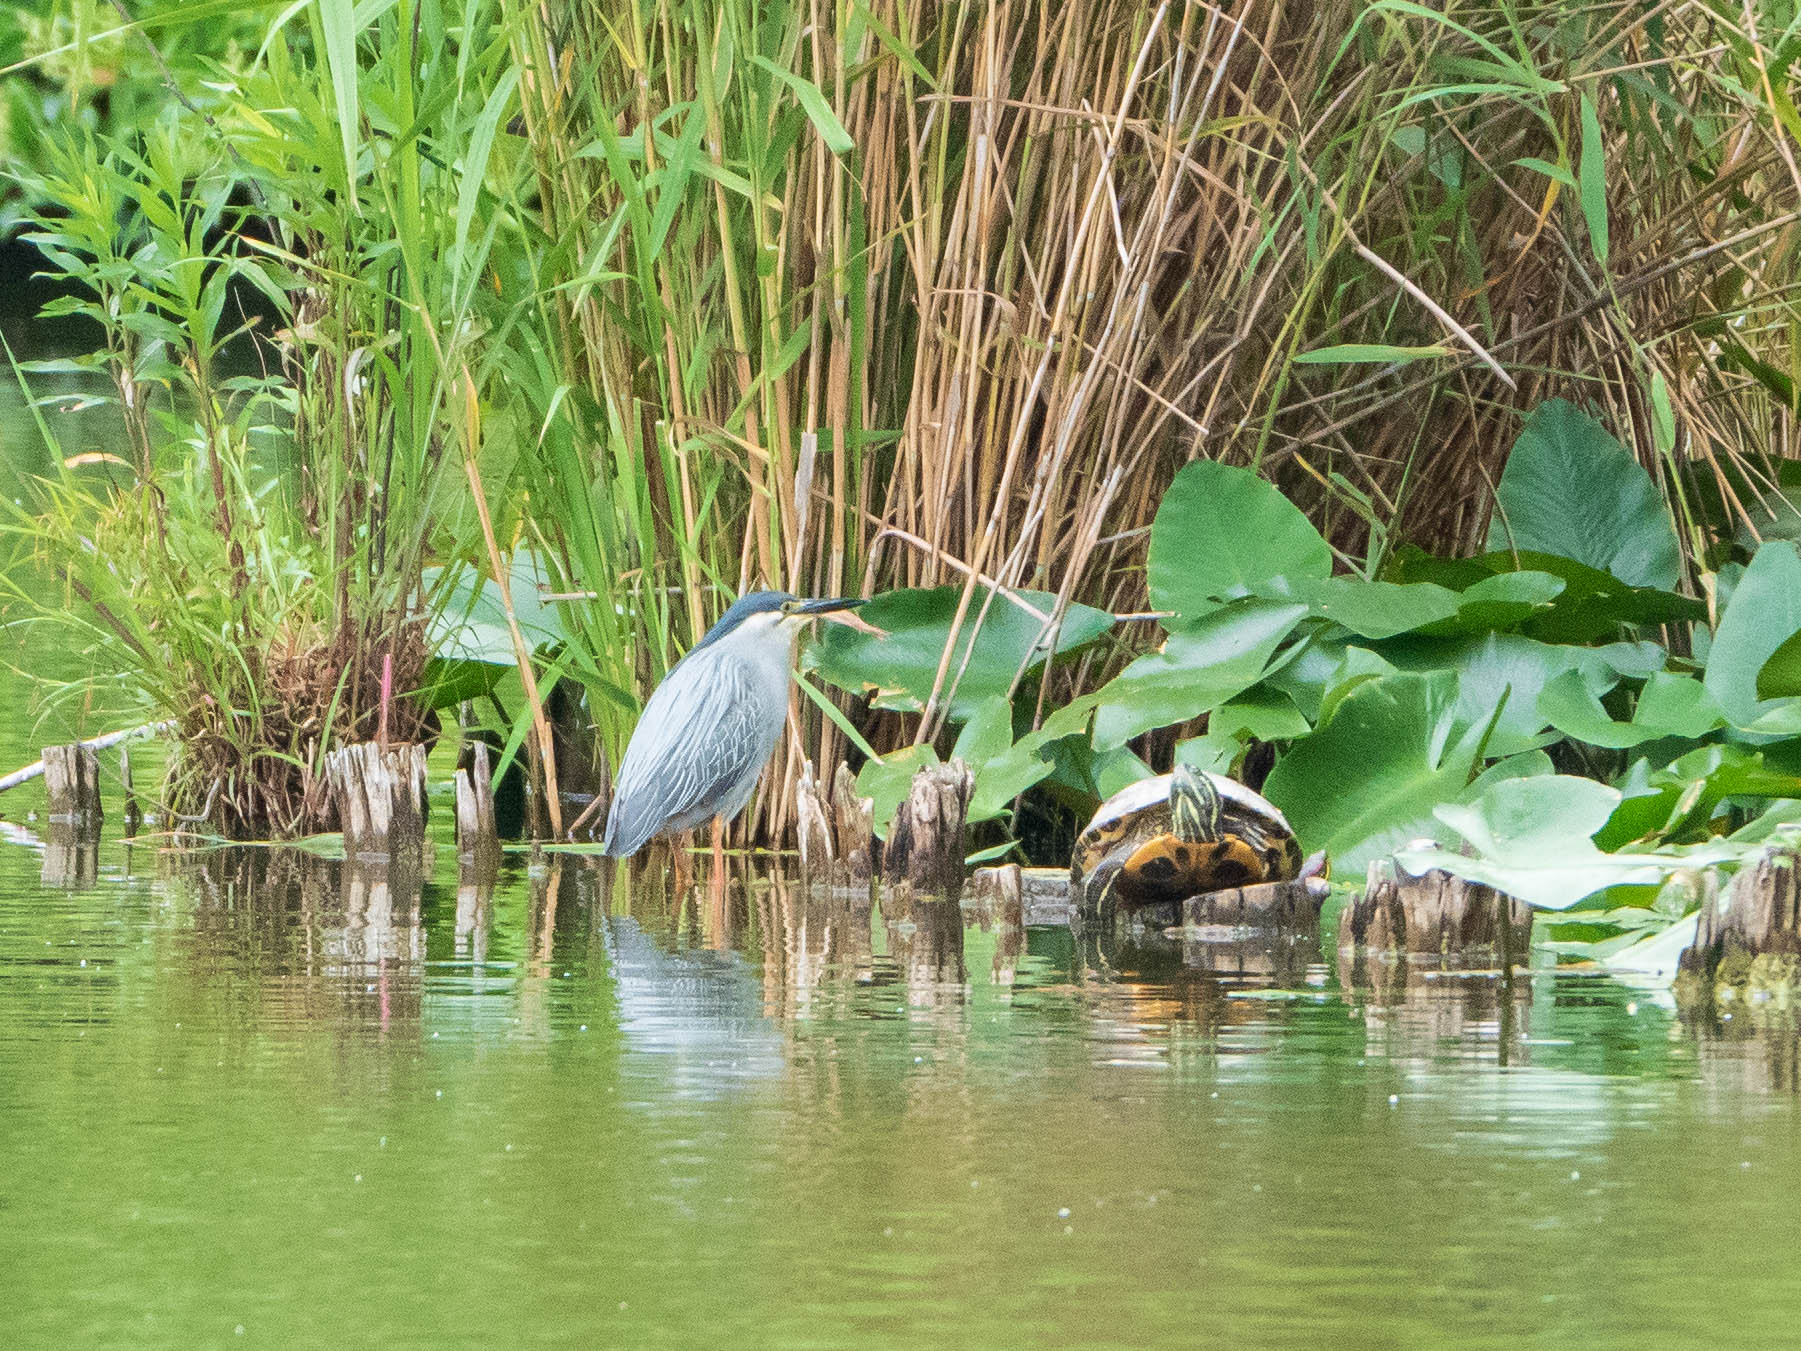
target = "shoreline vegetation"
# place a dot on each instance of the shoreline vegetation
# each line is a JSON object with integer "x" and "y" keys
{"x": 1391, "y": 405}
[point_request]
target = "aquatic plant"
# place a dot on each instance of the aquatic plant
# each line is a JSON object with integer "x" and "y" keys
{"x": 289, "y": 297}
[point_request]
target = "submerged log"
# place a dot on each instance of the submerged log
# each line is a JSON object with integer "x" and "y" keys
{"x": 478, "y": 840}
{"x": 380, "y": 798}
{"x": 1435, "y": 913}
{"x": 1748, "y": 938}
{"x": 925, "y": 843}
{"x": 836, "y": 835}
{"x": 72, "y": 783}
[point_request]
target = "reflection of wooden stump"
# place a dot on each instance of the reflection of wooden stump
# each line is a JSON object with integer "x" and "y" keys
{"x": 69, "y": 861}
{"x": 1435, "y": 913}
{"x": 1748, "y": 941}
{"x": 1294, "y": 904}
{"x": 380, "y": 798}
{"x": 925, "y": 939}
{"x": 837, "y": 834}
{"x": 72, "y": 783}
{"x": 925, "y": 843}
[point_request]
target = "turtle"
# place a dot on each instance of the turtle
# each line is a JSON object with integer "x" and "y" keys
{"x": 1181, "y": 834}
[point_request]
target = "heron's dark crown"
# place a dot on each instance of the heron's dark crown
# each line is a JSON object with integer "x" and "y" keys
{"x": 754, "y": 602}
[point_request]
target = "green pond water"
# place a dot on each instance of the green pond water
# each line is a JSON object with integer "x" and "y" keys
{"x": 251, "y": 1097}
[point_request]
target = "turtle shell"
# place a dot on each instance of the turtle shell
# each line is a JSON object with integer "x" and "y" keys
{"x": 1130, "y": 852}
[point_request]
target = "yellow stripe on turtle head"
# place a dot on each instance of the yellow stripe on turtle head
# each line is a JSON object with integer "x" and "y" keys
{"x": 1194, "y": 805}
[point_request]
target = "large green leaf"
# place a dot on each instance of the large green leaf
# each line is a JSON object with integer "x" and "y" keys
{"x": 1366, "y": 783}
{"x": 899, "y": 669}
{"x": 1504, "y": 671}
{"x": 1222, "y": 533}
{"x": 1378, "y": 609}
{"x": 1199, "y": 667}
{"x": 1669, "y": 706}
{"x": 1533, "y": 839}
{"x": 1571, "y": 489}
{"x": 1762, "y": 616}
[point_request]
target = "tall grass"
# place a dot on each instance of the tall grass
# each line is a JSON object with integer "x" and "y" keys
{"x": 905, "y": 292}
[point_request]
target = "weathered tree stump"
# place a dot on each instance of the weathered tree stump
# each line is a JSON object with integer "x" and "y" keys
{"x": 836, "y": 835}
{"x": 1264, "y": 905}
{"x": 1748, "y": 938}
{"x": 380, "y": 799}
{"x": 509, "y": 789}
{"x": 72, "y": 784}
{"x": 813, "y": 826}
{"x": 925, "y": 843}
{"x": 1435, "y": 913}
{"x": 1294, "y": 904}
{"x": 478, "y": 840}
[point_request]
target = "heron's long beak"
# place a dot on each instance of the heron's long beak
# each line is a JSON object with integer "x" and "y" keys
{"x": 820, "y": 607}
{"x": 837, "y": 610}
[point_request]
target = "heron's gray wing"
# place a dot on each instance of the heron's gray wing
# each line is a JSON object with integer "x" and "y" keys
{"x": 700, "y": 737}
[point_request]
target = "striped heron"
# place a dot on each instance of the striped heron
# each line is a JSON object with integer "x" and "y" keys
{"x": 712, "y": 725}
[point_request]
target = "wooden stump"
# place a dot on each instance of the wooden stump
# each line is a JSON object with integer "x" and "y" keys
{"x": 813, "y": 826}
{"x": 925, "y": 843}
{"x": 1294, "y": 904}
{"x": 836, "y": 834}
{"x": 996, "y": 891}
{"x": 1435, "y": 913}
{"x": 380, "y": 799}
{"x": 72, "y": 783}
{"x": 478, "y": 840}
{"x": 1748, "y": 939}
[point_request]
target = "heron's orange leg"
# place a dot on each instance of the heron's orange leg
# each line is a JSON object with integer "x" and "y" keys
{"x": 719, "y": 856}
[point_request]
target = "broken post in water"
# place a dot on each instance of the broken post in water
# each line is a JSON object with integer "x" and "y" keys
{"x": 380, "y": 798}
{"x": 1748, "y": 937}
{"x": 925, "y": 843}
{"x": 72, "y": 784}
{"x": 837, "y": 834}
{"x": 1435, "y": 913}
{"x": 478, "y": 839}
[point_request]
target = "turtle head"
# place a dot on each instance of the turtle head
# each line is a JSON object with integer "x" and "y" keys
{"x": 1194, "y": 806}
